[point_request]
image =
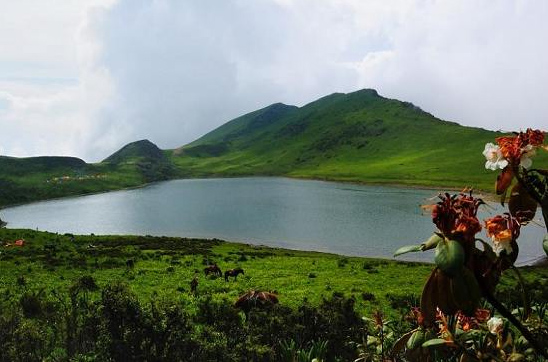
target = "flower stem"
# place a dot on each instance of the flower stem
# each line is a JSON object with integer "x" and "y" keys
{"x": 525, "y": 296}
{"x": 508, "y": 315}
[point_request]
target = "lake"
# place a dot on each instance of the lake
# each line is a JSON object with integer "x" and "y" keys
{"x": 333, "y": 217}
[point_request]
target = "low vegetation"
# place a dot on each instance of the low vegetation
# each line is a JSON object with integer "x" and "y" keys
{"x": 83, "y": 298}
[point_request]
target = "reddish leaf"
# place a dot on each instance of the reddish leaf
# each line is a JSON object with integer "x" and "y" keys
{"x": 437, "y": 294}
{"x": 504, "y": 180}
{"x": 521, "y": 204}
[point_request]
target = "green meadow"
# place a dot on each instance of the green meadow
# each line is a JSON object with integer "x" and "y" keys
{"x": 163, "y": 267}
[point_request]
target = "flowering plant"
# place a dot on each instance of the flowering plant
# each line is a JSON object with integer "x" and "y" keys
{"x": 464, "y": 273}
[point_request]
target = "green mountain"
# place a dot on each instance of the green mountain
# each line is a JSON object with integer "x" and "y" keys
{"x": 360, "y": 136}
{"x": 139, "y": 151}
{"x": 145, "y": 158}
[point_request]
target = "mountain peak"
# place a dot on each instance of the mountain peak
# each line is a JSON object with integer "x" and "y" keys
{"x": 368, "y": 92}
{"x": 142, "y": 149}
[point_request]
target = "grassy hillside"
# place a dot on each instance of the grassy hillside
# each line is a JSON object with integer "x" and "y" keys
{"x": 359, "y": 136}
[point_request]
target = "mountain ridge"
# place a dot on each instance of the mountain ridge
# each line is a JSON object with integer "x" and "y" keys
{"x": 359, "y": 136}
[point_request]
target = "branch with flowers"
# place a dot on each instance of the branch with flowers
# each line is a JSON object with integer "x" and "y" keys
{"x": 468, "y": 269}
{"x": 513, "y": 155}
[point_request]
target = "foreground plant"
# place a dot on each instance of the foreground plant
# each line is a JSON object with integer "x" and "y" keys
{"x": 468, "y": 269}
{"x": 378, "y": 334}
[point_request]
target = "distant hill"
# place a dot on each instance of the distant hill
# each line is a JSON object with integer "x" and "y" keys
{"x": 148, "y": 160}
{"x": 360, "y": 136}
{"x": 143, "y": 150}
{"x": 21, "y": 179}
{"x": 37, "y": 178}
{"x": 23, "y": 166}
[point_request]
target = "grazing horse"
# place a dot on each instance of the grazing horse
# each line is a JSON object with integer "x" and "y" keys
{"x": 213, "y": 269}
{"x": 255, "y": 298}
{"x": 233, "y": 273}
{"x": 194, "y": 285}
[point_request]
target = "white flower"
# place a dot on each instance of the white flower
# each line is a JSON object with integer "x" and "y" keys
{"x": 494, "y": 157}
{"x": 525, "y": 160}
{"x": 500, "y": 245}
{"x": 495, "y": 324}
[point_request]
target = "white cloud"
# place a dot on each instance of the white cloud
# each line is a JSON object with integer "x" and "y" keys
{"x": 52, "y": 93}
{"x": 476, "y": 63}
{"x": 84, "y": 78}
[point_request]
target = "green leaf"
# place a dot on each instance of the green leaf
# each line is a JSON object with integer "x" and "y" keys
{"x": 430, "y": 243}
{"x": 408, "y": 249}
{"x": 401, "y": 343}
{"x": 545, "y": 244}
{"x": 416, "y": 339}
{"x": 449, "y": 256}
{"x": 435, "y": 342}
{"x": 471, "y": 335}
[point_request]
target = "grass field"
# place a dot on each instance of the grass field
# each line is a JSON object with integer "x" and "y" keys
{"x": 163, "y": 267}
{"x": 103, "y": 298}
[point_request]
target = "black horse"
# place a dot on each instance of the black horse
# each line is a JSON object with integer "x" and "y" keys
{"x": 233, "y": 273}
{"x": 214, "y": 269}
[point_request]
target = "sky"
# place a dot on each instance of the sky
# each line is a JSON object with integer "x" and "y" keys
{"x": 84, "y": 77}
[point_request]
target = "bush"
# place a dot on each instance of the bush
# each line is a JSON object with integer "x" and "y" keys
{"x": 119, "y": 327}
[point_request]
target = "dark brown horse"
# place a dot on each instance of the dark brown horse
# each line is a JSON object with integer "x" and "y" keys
{"x": 233, "y": 273}
{"x": 213, "y": 269}
{"x": 194, "y": 285}
{"x": 255, "y": 299}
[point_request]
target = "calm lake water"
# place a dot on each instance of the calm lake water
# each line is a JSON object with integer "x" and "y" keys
{"x": 297, "y": 214}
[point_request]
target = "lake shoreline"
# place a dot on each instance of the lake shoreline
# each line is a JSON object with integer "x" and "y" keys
{"x": 285, "y": 212}
{"x": 487, "y": 195}
{"x": 541, "y": 262}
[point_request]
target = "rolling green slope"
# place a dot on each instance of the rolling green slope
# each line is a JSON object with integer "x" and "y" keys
{"x": 359, "y": 136}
